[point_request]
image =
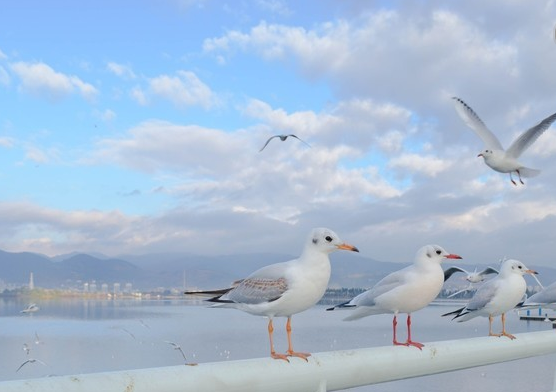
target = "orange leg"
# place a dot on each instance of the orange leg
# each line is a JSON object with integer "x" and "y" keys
{"x": 409, "y": 342}
{"x": 272, "y": 352}
{"x": 490, "y": 333}
{"x": 504, "y": 333}
{"x": 394, "y": 325}
{"x": 290, "y": 351}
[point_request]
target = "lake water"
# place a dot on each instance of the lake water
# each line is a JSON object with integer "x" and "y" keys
{"x": 84, "y": 336}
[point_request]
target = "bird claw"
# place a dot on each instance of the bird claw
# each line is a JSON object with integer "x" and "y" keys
{"x": 509, "y": 335}
{"x": 415, "y": 344}
{"x": 299, "y": 355}
{"x": 280, "y": 356}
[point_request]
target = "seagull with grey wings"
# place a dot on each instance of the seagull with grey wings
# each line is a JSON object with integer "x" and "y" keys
{"x": 494, "y": 155}
{"x": 284, "y": 289}
{"x": 497, "y": 296}
{"x": 282, "y": 138}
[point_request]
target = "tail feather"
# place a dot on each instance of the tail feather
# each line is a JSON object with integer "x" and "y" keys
{"x": 342, "y": 306}
{"x": 456, "y": 313}
{"x": 527, "y": 172}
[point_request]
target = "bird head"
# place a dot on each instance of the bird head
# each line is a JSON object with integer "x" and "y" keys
{"x": 325, "y": 240}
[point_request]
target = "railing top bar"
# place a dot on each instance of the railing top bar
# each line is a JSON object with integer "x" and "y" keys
{"x": 325, "y": 371}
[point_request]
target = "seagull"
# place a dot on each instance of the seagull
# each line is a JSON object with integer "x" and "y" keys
{"x": 472, "y": 277}
{"x": 545, "y": 298}
{"x": 494, "y": 155}
{"x": 178, "y": 347}
{"x": 30, "y": 360}
{"x": 496, "y": 296}
{"x": 282, "y": 138}
{"x": 404, "y": 291}
{"x": 284, "y": 289}
{"x": 31, "y": 308}
{"x": 37, "y": 340}
{"x": 26, "y": 348}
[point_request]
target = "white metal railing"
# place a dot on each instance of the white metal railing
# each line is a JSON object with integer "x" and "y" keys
{"x": 327, "y": 371}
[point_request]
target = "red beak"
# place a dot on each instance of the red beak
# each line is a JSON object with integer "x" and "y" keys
{"x": 451, "y": 256}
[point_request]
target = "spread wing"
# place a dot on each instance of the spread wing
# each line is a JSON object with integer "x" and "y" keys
{"x": 530, "y": 136}
{"x": 476, "y": 124}
{"x": 546, "y": 296}
{"x": 452, "y": 270}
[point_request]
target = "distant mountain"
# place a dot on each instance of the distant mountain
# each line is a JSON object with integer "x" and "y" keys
{"x": 204, "y": 272}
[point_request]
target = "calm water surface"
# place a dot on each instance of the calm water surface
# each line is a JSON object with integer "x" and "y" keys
{"x": 84, "y": 336}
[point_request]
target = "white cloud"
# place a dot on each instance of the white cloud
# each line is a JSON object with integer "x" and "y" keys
{"x": 427, "y": 165}
{"x": 139, "y": 96}
{"x": 4, "y": 77}
{"x": 41, "y": 80}
{"x": 184, "y": 89}
{"x": 121, "y": 70}
{"x": 6, "y": 142}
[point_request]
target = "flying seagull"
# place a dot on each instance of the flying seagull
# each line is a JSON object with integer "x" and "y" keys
{"x": 282, "y": 138}
{"x": 494, "y": 155}
{"x": 284, "y": 289}
{"x": 472, "y": 277}
{"x": 496, "y": 296}
{"x": 30, "y": 360}
{"x": 404, "y": 291}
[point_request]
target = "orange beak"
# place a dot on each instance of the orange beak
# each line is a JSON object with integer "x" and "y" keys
{"x": 345, "y": 246}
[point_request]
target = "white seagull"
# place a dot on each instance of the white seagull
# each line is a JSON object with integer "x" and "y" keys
{"x": 282, "y": 138}
{"x": 494, "y": 155}
{"x": 497, "y": 296}
{"x": 404, "y": 291}
{"x": 284, "y": 289}
{"x": 471, "y": 277}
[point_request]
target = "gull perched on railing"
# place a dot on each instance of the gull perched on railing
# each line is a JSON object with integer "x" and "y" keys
{"x": 284, "y": 289}
{"x": 404, "y": 291}
{"x": 494, "y": 155}
{"x": 497, "y": 296}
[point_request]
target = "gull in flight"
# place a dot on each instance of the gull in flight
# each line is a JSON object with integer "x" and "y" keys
{"x": 284, "y": 289}
{"x": 494, "y": 155}
{"x": 282, "y": 138}
{"x": 404, "y": 291}
{"x": 178, "y": 347}
{"x": 471, "y": 277}
{"x": 497, "y": 296}
{"x": 30, "y": 360}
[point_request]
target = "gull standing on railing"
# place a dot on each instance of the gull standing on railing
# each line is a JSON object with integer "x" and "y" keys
{"x": 284, "y": 289}
{"x": 403, "y": 291}
{"x": 496, "y": 296}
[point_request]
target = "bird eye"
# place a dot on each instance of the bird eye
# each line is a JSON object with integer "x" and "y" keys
{"x": 520, "y": 267}
{"x": 438, "y": 251}
{"x": 328, "y": 238}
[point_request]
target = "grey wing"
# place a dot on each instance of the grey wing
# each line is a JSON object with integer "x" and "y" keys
{"x": 292, "y": 135}
{"x": 264, "y": 285}
{"x": 257, "y": 290}
{"x": 488, "y": 271}
{"x": 268, "y": 141}
{"x": 476, "y": 124}
{"x": 483, "y": 295}
{"x": 452, "y": 270}
{"x": 388, "y": 283}
{"x": 546, "y": 296}
{"x": 530, "y": 136}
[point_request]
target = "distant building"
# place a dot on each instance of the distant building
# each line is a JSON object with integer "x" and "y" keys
{"x": 31, "y": 282}
{"x": 128, "y": 288}
{"x": 116, "y": 288}
{"x": 104, "y": 288}
{"x": 86, "y": 287}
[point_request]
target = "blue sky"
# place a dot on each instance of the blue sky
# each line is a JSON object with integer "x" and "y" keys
{"x": 136, "y": 127}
